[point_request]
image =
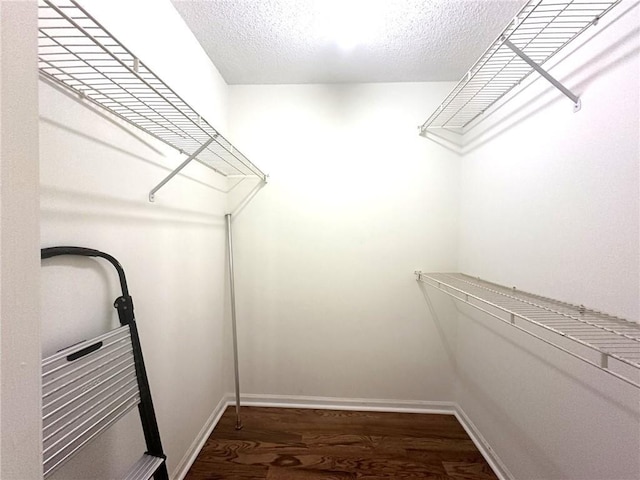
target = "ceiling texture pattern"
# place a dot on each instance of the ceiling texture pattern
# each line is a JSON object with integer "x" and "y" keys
{"x": 345, "y": 41}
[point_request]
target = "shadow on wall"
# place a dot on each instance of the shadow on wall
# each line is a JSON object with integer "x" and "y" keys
{"x": 127, "y": 152}
{"x": 448, "y": 346}
{"x": 508, "y": 122}
{"x": 510, "y": 429}
{"x": 478, "y": 391}
{"x": 105, "y": 321}
{"x": 480, "y": 395}
{"x": 181, "y": 215}
{"x": 448, "y": 139}
{"x": 132, "y": 132}
{"x": 62, "y": 203}
{"x": 559, "y": 417}
{"x": 100, "y": 111}
{"x": 242, "y": 195}
{"x": 569, "y": 377}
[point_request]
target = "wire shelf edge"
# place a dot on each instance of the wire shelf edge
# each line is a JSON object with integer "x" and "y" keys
{"x": 540, "y": 30}
{"x": 76, "y": 52}
{"x": 608, "y": 336}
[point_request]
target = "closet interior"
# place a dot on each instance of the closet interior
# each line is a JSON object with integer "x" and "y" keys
{"x": 338, "y": 290}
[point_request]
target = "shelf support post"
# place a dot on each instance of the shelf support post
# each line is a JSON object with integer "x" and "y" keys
{"x": 577, "y": 104}
{"x": 152, "y": 193}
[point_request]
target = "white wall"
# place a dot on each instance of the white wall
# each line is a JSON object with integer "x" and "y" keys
{"x": 327, "y": 302}
{"x": 20, "y": 421}
{"x": 554, "y": 194}
{"x": 550, "y": 204}
{"x": 96, "y": 173}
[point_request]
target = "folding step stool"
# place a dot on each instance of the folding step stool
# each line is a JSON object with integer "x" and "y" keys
{"x": 88, "y": 387}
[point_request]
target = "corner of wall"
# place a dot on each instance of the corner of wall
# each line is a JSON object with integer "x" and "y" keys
{"x": 20, "y": 364}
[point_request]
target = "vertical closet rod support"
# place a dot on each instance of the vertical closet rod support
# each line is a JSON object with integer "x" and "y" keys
{"x": 233, "y": 321}
{"x": 577, "y": 104}
{"x": 152, "y": 193}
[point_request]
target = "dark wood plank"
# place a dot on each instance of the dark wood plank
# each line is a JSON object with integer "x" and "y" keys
{"x": 277, "y": 473}
{"x": 307, "y": 444}
{"x": 202, "y": 470}
{"x": 469, "y": 471}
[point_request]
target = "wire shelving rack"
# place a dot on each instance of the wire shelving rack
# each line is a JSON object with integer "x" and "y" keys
{"x": 608, "y": 343}
{"x": 538, "y": 32}
{"x": 77, "y": 52}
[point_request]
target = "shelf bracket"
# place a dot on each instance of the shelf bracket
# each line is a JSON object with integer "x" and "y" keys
{"x": 152, "y": 193}
{"x": 577, "y": 104}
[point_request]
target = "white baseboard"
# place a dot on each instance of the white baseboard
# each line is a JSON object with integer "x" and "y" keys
{"x": 185, "y": 464}
{"x": 356, "y": 404}
{"x": 362, "y": 404}
{"x": 374, "y": 405}
{"x": 498, "y": 466}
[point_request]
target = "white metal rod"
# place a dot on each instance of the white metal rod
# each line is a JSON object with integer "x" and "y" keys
{"x": 569, "y": 352}
{"x": 538, "y": 308}
{"x": 543, "y": 72}
{"x": 233, "y": 320}
{"x": 180, "y": 167}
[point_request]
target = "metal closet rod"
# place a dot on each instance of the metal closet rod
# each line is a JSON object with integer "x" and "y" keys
{"x": 232, "y": 290}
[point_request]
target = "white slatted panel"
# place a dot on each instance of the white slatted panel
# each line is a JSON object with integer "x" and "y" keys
{"x": 82, "y": 397}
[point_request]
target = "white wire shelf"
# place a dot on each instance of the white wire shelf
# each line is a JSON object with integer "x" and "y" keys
{"x": 75, "y": 51}
{"x": 609, "y": 343}
{"x": 539, "y": 31}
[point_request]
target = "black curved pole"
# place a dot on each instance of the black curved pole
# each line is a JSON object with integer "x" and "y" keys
{"x": 87, "y": 252}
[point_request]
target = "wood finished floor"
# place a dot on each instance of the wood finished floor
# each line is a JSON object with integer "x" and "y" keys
{"x": 304, "y": 444}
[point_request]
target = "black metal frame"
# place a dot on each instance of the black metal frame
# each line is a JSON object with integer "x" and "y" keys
{"x": 124, "y": 306}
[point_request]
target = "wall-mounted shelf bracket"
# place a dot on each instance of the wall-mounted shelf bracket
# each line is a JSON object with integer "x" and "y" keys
{"x": 152, "y": 193}
{"x": 577, "y": 104}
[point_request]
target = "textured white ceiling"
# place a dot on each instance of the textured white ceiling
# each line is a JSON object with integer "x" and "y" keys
{"x": 285, "y": 41}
